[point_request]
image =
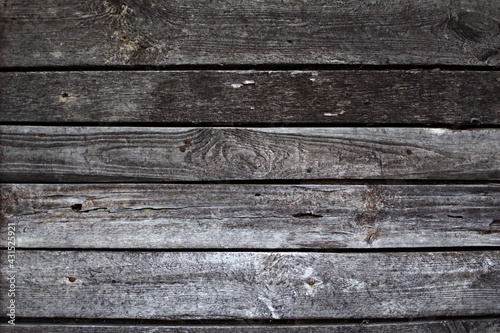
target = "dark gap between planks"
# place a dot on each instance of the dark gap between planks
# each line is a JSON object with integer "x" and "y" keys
{"x": 271, "y": 250}
{"x": 287, "y": 182}
{"x": 244, "y": 322}
{"x": 473, "y": 124}
{"x": 257, "y": 67}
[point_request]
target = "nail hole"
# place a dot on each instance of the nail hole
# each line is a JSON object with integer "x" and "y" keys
{"x": 311, "y": 282}
{"x": 257, "y": 194}
{"x": 309, "y": 170}
{"x": 41, "y": 135}
{"x": 409, "y": 152}
{"x": 187, "y": 142}
{"x": 456, "y": 216}
{"x": 124, "y": 38}
{"x": 64, "y": 95}
{"x": 72, "y": 279}
{"x": 113, "y": 281}
{"x": 182, "y": 149}
{"x": 289, "y": 41}
{"x": 76, "y": 207}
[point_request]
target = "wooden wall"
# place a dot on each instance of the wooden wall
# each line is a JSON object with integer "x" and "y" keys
{"x": 250, "y": 166}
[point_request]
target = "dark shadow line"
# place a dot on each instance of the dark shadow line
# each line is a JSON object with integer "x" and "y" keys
{"x": 272, "y": 250}
{"x": 247, "y": 322}
{"x": 257, "y": 67}
{"x": 469, "y": 125}
{"x": 271, "y": 182}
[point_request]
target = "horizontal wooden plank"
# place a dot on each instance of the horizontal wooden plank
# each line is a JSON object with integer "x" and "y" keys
{"x": 226, "y": 97}
{"x": 250, "y": 216}
{"x": 448, "y": 326}
{"x": 97, "y": 154}
{"x": 246, "y": 285}
{"x": 152, "y": 32}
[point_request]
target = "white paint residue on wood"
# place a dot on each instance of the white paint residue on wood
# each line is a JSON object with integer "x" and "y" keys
{"x": 243, "y": 83}
{"x": 270, "y": 307}
{"x": 313, "y": 73}
{"x": 328, "y": 114}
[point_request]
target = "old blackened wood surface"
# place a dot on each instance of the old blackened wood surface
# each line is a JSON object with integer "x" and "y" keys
{"x": 451, "y": 326}
{"x": 248, "y": 285}
{"x": 94, "y": 154}
{"x": 153, "y": 32}
{"x": 225, "y": 97}
{"x": 146, "y": 255}
{"x": 251, "y": 216}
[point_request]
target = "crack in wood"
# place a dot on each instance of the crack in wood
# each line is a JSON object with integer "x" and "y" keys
{"x": 307, "y": 216}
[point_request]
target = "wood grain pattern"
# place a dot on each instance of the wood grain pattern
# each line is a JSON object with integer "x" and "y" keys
{"x": 448, "y": 326}
{"x": 251, "y": 216}
{"x": 152, "y": 32}
{"x": 246, "y": 285}
{"x": 95, "y": 154}
{"x": 104, "y": 245}
{"x": 227, "y": 97}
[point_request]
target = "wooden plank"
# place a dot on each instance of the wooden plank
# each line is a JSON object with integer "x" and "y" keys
{"x": 445, "y": 326}
{"x": 251, "y": 216}
{"x": 226, "y": 97}
{"x": 246, "y": 285}
{"x": 97, "y": 154}
{"x": 153, "y": 32}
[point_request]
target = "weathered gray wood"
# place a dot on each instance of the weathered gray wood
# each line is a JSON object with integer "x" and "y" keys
{"x": 96, "y": 154}
{"x": 225, "y": 97}
{"x": 250, "y": 216}
{"x": 246, "y": 285}
{"x": 448, "y": 326}
{"x": 152, "y": 32}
